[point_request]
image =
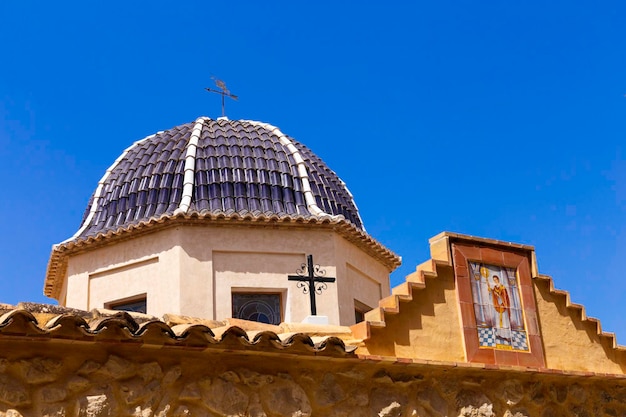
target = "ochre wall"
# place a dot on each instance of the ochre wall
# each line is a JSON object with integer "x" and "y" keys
{"x": 426, "y": 323}
{"x": 569, "y": 342}
{"x": 427, "y": 327}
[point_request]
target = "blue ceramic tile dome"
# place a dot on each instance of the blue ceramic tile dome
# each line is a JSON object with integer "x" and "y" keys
{"x": 217, "y": 166}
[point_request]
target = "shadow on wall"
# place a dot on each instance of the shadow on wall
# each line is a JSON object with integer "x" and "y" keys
{"x": 571, "y": 340}
{"x": 417, "y": 321}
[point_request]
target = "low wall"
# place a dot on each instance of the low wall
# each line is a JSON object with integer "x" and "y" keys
{"x": 43, "y": 378}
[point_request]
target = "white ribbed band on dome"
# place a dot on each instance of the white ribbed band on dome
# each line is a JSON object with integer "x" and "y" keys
{"x": 302, "y": 171}
{"x": 190, "y": 166}
{"x": 98, "y": 192}
{"x": 358, "y": 215}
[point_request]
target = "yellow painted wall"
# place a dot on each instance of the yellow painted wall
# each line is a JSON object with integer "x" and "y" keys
{"x": 570, "y": 343}
{"x": 427, "y": 327}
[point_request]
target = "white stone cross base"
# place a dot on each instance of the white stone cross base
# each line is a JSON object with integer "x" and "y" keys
{"x": 316, "y": 320}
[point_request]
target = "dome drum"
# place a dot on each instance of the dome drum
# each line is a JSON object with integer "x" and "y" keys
{"x": 170, "y": 210}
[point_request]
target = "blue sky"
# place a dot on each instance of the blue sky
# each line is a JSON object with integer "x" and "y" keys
{"x": 495, "y": 119}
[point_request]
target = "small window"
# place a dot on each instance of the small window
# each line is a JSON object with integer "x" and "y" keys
{"x": 359, "y": 311}
{"x": 136, "y": 304}
{"x": 261, "y": 307}
{"x": 359, "y": 316}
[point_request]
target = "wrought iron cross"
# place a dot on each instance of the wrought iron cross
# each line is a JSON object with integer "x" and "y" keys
{"x": 314, "y": 282}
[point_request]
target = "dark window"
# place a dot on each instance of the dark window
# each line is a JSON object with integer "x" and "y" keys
{"x": 359, "y": 311}
{"x": 359, "y": 316}
{"x": 261, "y": 307}
{"x": 137, "y": 304}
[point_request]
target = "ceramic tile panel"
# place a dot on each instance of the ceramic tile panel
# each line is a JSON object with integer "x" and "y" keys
{"x": 498, "y": 309}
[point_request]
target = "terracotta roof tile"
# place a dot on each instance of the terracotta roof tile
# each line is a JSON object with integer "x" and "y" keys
{"x": 39, "y": 321}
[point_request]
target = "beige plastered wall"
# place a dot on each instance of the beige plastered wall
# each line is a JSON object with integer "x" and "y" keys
{"x": 193, "y": 270}
{"x": 146, "y": 265}
{"x": 363, "y": 279}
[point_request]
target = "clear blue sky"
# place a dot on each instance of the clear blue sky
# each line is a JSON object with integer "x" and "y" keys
{"x": 494, "y": 119}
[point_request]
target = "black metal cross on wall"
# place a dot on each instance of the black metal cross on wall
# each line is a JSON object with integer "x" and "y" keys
{"x": 309, "y": 282}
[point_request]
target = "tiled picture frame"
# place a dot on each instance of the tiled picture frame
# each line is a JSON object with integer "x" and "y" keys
{"x": 495, "y": 264}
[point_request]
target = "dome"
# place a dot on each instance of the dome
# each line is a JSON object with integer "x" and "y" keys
{"x": 216, "y": 166}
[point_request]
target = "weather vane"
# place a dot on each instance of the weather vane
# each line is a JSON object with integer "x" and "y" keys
{"x": 224, "y": 92}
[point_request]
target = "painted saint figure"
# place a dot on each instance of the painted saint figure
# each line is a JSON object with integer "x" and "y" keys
{"x": 497, "y": 307}
{"x": 501, "y": 305}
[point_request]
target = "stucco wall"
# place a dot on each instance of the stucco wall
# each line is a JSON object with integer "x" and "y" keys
{"x": 366, "y": 280}
{"x": 147, "y": 264}
{"x": 231, "y": 271}
{"x": 569, "y": 342}
{"x": 427, "y": 327}
{"x": 193, "y": 270}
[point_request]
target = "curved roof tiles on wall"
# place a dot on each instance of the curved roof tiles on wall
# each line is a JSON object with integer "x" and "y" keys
{"x": 39, "y": 321}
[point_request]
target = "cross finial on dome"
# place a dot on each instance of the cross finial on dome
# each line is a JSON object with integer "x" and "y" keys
{"x": 224, "y": 93}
